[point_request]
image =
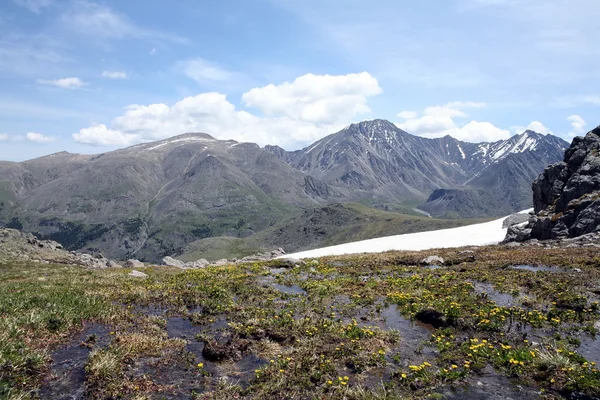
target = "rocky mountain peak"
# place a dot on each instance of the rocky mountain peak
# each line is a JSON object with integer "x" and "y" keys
{"x": 376, "y": 130}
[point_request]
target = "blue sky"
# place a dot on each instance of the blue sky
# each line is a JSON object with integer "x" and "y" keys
{"x": 89, "y": 77}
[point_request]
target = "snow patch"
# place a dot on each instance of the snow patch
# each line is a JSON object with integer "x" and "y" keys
{"x": 472, "y": 235}
{"x": 187, "y": 139}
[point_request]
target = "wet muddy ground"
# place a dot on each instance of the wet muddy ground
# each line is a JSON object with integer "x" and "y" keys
{"x": 344, "y": 330}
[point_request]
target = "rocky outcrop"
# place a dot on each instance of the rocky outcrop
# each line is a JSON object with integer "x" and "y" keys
{"x": 566, "y": 196}
{"x": 17, "y": 245}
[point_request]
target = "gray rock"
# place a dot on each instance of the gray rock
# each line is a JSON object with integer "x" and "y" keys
{"x": 171, "y": 262}
{"x": 515, "y": 219}
{"x": 201, "y": 263}
{"x": 133, "y": 264}
{"x": 432, "y": 260}
{"x": 137, "y": 274}
{"x": 220, "y": 263}
{"x": 112, "y": 264}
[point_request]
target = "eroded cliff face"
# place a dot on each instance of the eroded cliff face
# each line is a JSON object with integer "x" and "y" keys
{"x": 566, "y": 197}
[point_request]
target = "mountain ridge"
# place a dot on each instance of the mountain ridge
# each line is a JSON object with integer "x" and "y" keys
{"x": 151, "y": 199}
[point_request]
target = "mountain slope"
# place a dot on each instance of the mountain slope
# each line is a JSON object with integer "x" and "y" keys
{"x": 379, "y": 162}
{"x": 316, "y": 227}
{"x": 149, "y": 200}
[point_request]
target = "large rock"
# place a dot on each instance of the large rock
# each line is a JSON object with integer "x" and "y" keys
{"x": 137, "y": 274}
{"x": 171, "y": 262}
{"x": 566, "y": 197}
{"x": 133, "y": 264}
{"x": 515, "y": 219}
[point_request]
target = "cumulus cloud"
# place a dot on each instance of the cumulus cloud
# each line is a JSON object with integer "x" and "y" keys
{"x": 317, "y": 105}
{"x": 577, "y": 125}
{"x": 535, "y": 126}
{"x": 100, "y": 135}
{"x": 316, "y": 98}
{"x": 115, "y": 74}
{"x": 39, "y": 138}
{"x": 438, "y": 121}
{"x": 64, "y": 83}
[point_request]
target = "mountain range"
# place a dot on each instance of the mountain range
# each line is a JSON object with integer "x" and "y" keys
{"x": 154, "y": 199}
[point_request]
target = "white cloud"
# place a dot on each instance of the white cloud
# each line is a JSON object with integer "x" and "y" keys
{"x": 115, "y": 74}
{"x": 407, "y": 114}
{"x": 35, "y": 6}
{"x": 100, "y": 135}
{"x": 3, "y": 137}
{"x": 316, "y": 98}
{"x": 99, "y": 21}
{"x": 39, "y": 138}
{"x": 152, "y": 51}
{"x": 319, "y": 105}
{"x": 438, "y": 121}
{"x": 64, "y": 83}
{"x": 203, "y": 71}
{"x": 535, "y": 126}
{"x": 577, "y": 125}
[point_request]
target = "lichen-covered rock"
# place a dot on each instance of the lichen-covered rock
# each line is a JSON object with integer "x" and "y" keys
{"x": 566, "y": 197}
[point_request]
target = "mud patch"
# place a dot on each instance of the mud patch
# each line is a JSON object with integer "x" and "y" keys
{"x": 66, "y": 379}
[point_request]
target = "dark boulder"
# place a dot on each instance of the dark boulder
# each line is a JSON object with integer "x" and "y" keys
{"x": 566, "y": 196}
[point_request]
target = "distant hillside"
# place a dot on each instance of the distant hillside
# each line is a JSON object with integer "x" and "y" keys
{"x": 318, "y": 227}
{"x": 153, "y": 199}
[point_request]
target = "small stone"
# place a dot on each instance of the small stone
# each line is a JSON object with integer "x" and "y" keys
{"x": 137, "y": 274}
{"x": 432, "y": 260}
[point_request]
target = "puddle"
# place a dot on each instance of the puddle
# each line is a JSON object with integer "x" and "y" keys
{"x": 490, "y": 387}
{"x": 488, "y": 290}
{"x": 183, "y": 328}
{"x": 535, "y": 268}
{"x": 294, "y": 289}
{"x": 66, "y": 379}
{"x": 414, "y": 336}
{"x": 590, "y": 348}
{"x": 394, "y": 320}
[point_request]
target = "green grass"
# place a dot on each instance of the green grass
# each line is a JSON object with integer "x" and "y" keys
{"x": 332, "y": 342}
{"x": 353, "y": 223}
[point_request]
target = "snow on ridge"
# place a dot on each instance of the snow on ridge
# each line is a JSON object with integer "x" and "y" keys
{"x": 185, "y": 139}
{"x": 462, "y": 153}
{"x": 471, "y": 235}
